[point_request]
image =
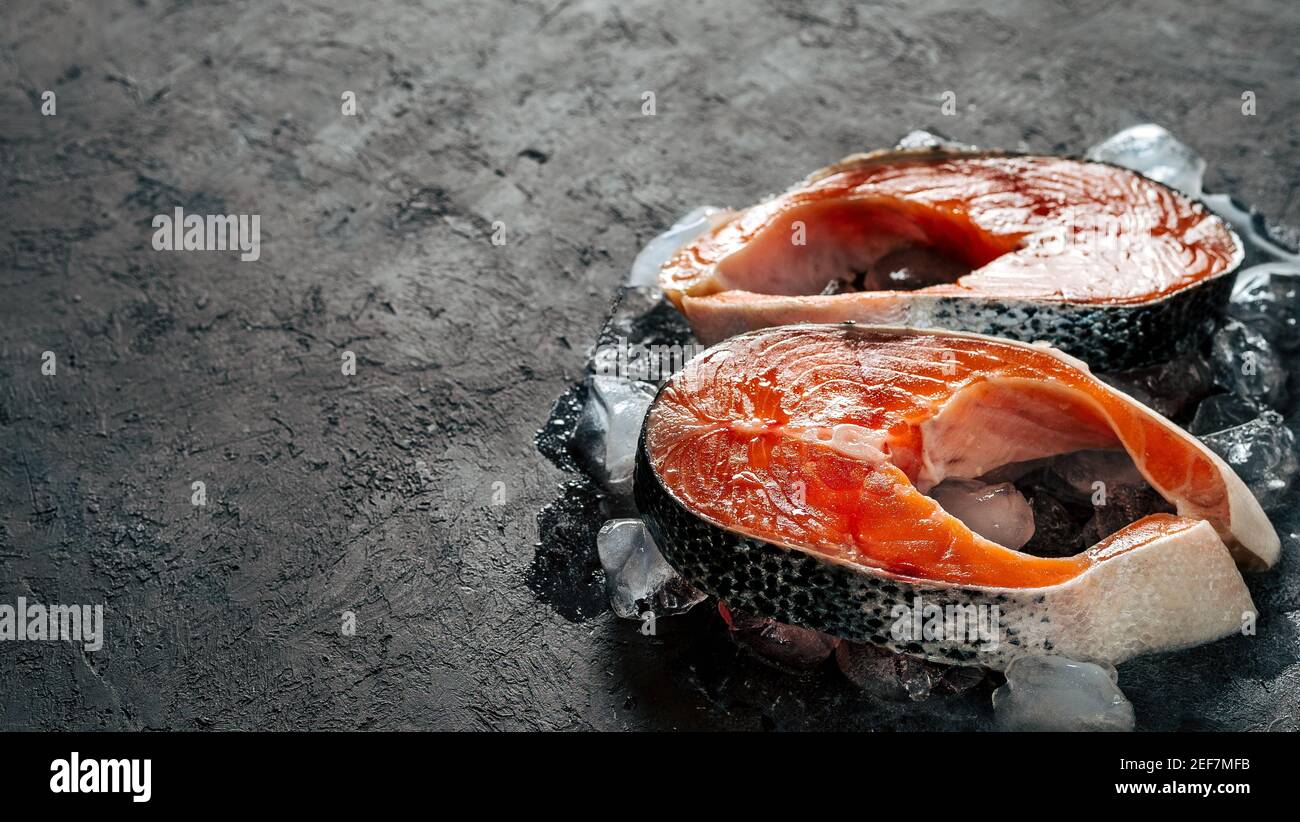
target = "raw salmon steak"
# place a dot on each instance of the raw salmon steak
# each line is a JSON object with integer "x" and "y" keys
{"x": 786, "y": 471}
{"x": 1101, "y": 261}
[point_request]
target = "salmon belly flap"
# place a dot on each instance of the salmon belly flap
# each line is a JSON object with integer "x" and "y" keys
{"x": 826, "y": 440}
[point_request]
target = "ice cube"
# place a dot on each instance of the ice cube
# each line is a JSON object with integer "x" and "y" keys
{"x": 637, "y": 577}
{"x": 961, "y": 678}
{"x": 1221, "y": 412}
{"x": 1118, "y": 505}
{"x": 885, "y": 674}
{"x": 1056, "y": 530}
{"x": 791, "y": 647}
{"x": 1153, "y": 151}
{"x": 605, "y": 440}
{"x": 912, "y": 267}
{"x": 1247, "y": 365}
{"x": 1267, "y": 299}
{"x": 1166, "y": 387}
{"x": 1054, "y": 693}
{"x": 1263, "y": 453}
{"x": 917, "y": 676}
{"x": 1081, "y": 471}
{"x": 1252, "y": 229}
{"x": 996, "y": 512}
{"x": 928, "y": 139}
{"x": 645, "y": 268}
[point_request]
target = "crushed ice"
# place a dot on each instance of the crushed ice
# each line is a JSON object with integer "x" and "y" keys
{"x": 997, "y": 512}
{"x": 1266, "y": 297}
{"x": 1074, "y": 500}
{"x": 1168, "y": 387}
{"x": 1082, "y": 470}
{"x": 637, "y": 577}
{"x": 1055, "y": 693}
{"x": 1263, "y": 453}
{"x": 623, "y": 370}
{"x": 606, "y": 437}
{"x": 620, "y": 386}
{"x": 1246, "y": 364}
{"x": 1222, "y": 411}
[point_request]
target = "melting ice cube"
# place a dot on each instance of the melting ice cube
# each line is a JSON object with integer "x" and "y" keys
{"x": 1054, "y": 693}
{"x": 1263, "y": 453}
{"x": 604, "y": 442}
{"x": 637, "y": 577}
{"x": 1153, "y": 151}
{"x": 1247, "y": 365}
{"x": 1081, "y": 471}
{"x": 996, "y": 512}
{"x": 1221, "y": 412}
{"x": 1166, "y": 387}
{"x": 928, "y": 139}
{"x": 1121, "y": 505}
{"x": 1251, "y": 228}
{"x": 1057, "y": 530}
{"x": 1267, "y": 299}
{"x": 645, "y": 268}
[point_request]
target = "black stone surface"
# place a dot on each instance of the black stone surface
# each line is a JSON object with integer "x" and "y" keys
{"x": 409, "y": 492}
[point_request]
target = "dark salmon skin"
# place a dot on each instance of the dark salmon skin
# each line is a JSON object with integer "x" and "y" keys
{"x": 1099, "y": 260}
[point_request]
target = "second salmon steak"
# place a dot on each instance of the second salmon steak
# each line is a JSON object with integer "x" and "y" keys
{"x": 1101, "y": 261}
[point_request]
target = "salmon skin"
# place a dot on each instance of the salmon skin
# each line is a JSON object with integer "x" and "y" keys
{"x": 1098, "y": 260}
{"x": 785, "y": 471}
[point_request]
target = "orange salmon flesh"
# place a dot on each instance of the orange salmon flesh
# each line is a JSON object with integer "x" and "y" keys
{"x": 1036, "y": 228}
{"x": 825, "y": 438}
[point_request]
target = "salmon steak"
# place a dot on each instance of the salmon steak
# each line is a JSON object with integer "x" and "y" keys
{"x": 788, "y": 472}
{"x": 1098, "y": 260}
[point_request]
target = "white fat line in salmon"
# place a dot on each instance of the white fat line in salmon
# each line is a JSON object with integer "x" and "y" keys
{"x": 952, "y": 623}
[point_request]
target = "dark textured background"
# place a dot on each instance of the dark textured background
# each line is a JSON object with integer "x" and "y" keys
{"x": 374, "y": 493}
